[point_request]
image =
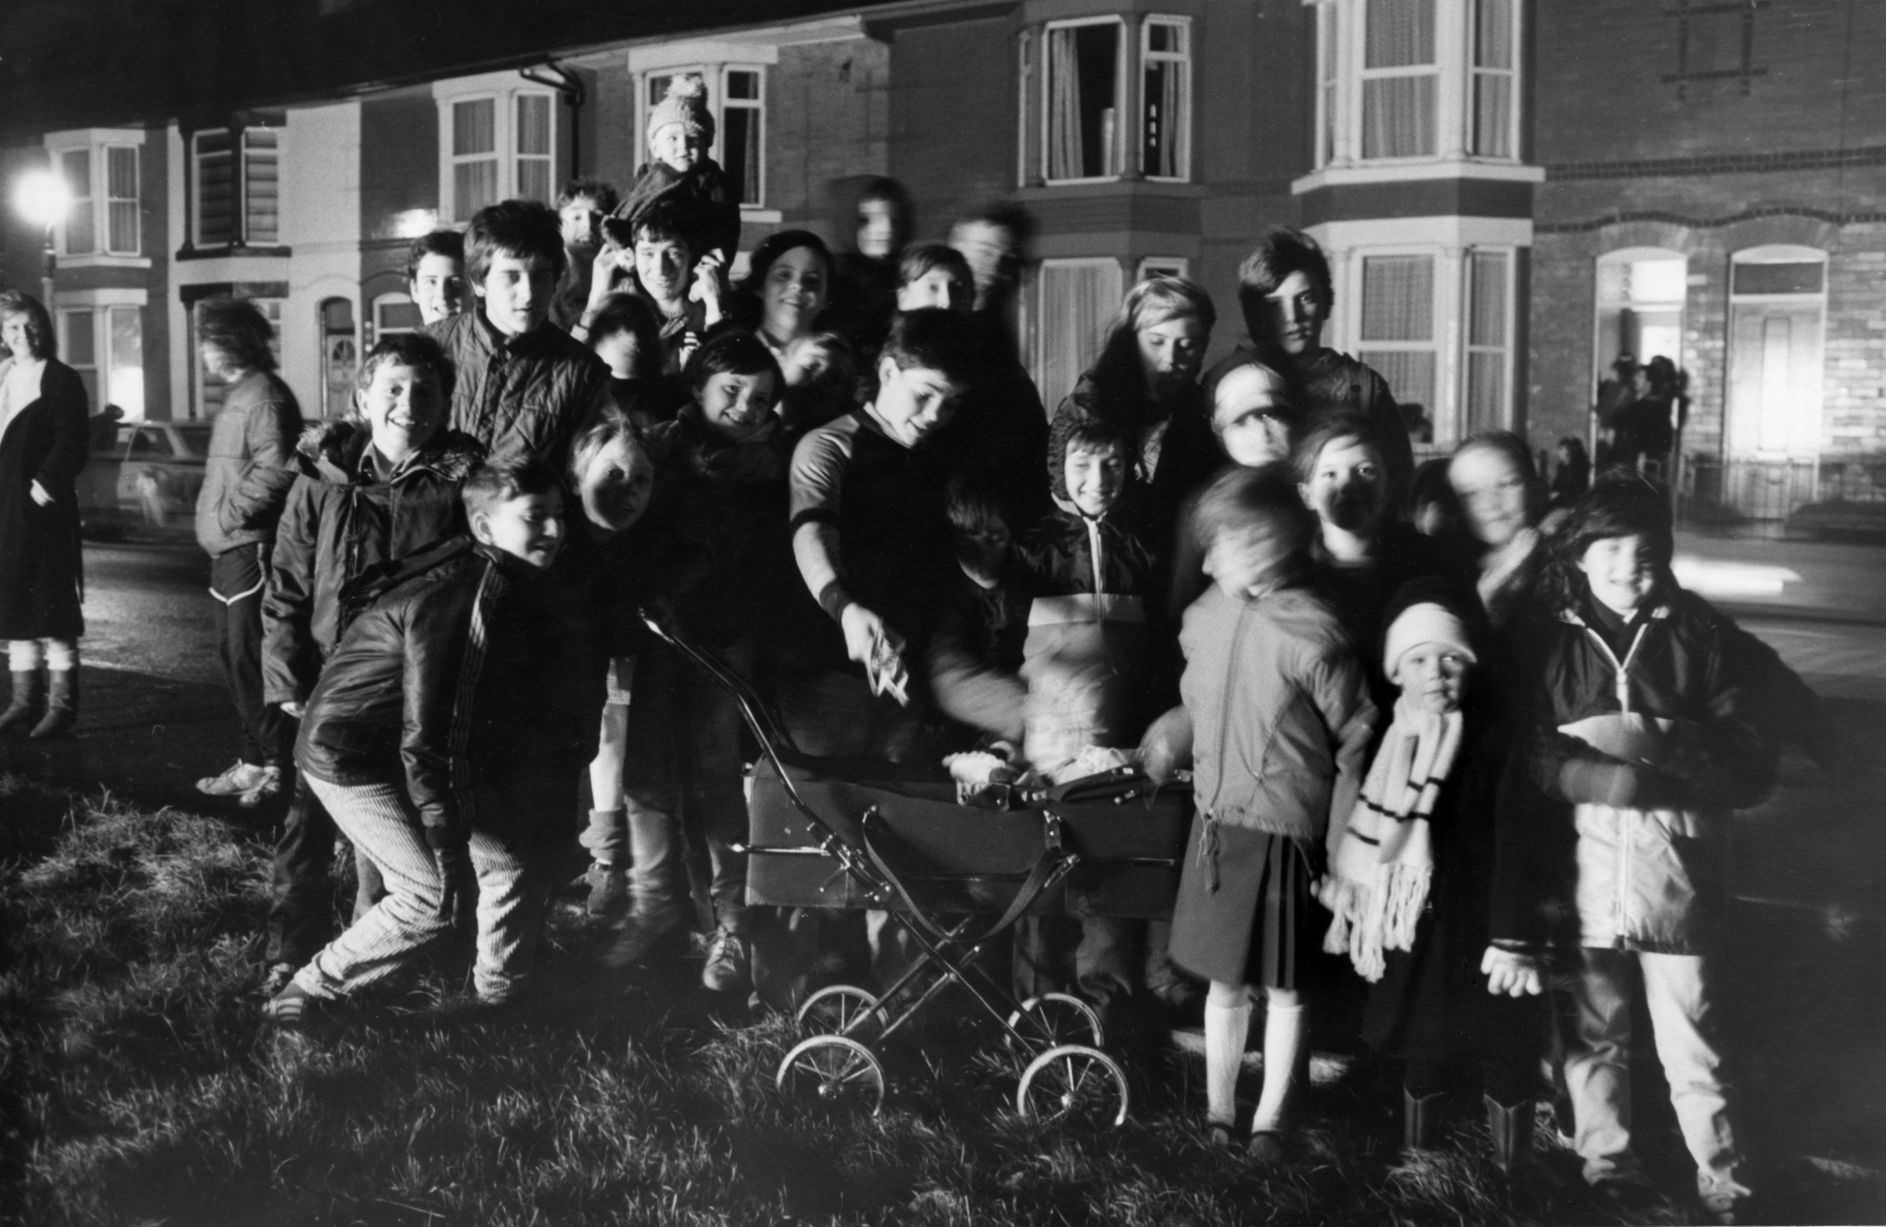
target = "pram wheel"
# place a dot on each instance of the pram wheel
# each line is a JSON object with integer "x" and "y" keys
{"x": 841, "y": 1009}
{"x": 833, "y": 1069}
{"x": 1073, "y": 1082}
{"x": 1053, "y": 1019}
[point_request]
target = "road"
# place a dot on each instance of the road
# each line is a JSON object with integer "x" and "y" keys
{"x": 147, "y": 607}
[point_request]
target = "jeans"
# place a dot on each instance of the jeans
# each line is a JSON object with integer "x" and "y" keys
{"x": 301, "y": 905}
{"x": 1597, "y": 1061}
{"x": 516, "y": 877}
{"x": 237, "y": 578}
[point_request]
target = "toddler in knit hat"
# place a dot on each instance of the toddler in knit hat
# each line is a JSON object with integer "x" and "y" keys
{"x": 681, "y": 129}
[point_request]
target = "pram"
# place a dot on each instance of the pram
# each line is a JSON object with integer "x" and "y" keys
{"x": 1107, "y": 845}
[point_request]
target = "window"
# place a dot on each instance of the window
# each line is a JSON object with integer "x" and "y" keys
{"x": 1640, "y": 307}
{"x": 104, "y": 343}
{"x": 498, "y": 145}
{"x": 394, "y": 313}
{"x": 1777, "y": 326}
{"x": 1413, "y": 80}
{"x": 736, "y": 95}
{"x": 1163, "y": 266}
{"x": 104, "y": 216}
{"x": 1077, "y": 297}
{"x": 1113, "y": 104}
{"x": 1489, "y": 392}
{"x": 1397, "y": 335}
{"x": 236, "y": 187}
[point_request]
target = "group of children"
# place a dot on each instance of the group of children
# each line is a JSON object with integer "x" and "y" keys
{"x": 1474, "y": 764}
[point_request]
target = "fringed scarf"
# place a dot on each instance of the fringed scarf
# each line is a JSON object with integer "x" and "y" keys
{"x": 1379, "y": 880}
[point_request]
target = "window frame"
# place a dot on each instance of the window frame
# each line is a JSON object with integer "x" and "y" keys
{"x": 1364, "y": 75}
{"x": 95, "y": 147}
{"x": 106, "y": 382}
{"x": 1356, "y": 262}
{"x": 1037, "y": 296}
{"x": 1184, "y": 60}
{"x": 504, "y": 94}
{"x": 1509, "y": 284}
{"x": 1122, "y": 83}
{"x": 715, "y": 72}
{"x": 242, "y": 156}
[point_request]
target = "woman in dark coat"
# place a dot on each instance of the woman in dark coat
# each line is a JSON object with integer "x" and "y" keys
{"x": 43, "y": 439}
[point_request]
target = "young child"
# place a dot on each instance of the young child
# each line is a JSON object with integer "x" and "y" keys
{"x": 456, "y": 711}
{"x": 1645, "y": 727}
{"x": 581, "y": 206}
{"x": 435, "y": 275}
{"x": 658, "y": 261}
{"x": 976, "y": 653}
{"x": 680, "y": 172}
{"x": 1410, "y": 877}
{"x": 685, "y": 763}
{"x": 520, "y": 385}
{"x": 371, "y": 490}
{"x": 1276, "y": 707}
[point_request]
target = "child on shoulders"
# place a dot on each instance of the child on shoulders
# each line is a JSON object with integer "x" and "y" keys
{"x": 680, "y": 172}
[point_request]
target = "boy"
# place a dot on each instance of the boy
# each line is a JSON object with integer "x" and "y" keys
{"x": 245, "y": 484}
{"x": 455, "y": 713}
{"x": 378, "y": 488}
{"x": 680, "y": 172}
{"x": 435, "y": 275}
{"x": 520, "y": 386}
{"x": 581, "y": 206}
{"x": 934, "y": 275}
{"x": 663, "y": 272}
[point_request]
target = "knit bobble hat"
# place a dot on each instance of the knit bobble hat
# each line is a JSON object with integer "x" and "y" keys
{"x": 685, "y": 104}
{"x": 1424, "y": 622}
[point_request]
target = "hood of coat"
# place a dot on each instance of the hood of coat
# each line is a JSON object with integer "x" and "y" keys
{"x": 331, "y": 451}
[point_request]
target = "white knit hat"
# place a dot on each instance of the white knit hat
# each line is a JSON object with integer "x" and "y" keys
{"x": 684, "y": 104}
{"x": 1423, "y": 622}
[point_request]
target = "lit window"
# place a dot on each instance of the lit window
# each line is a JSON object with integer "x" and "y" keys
{"x": 736, "y": 97}
{"x": 236, "y": 185}
{"x": 498, "y": 146}
{"x": 1400, "y": 79}
{"x": 1489, "y": 394}
{"x": 103, "y": 217}
{"x": 1077, "y": 298}
{"x": 1397, "y": 334}
{"x": 105, "y": 345}
{"x": 81, "y": 225}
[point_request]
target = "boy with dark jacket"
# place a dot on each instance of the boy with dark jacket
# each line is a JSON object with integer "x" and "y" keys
{"x": 370, "y": 491}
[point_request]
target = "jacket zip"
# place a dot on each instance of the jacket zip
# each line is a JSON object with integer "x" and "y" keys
{"x": 1622, "y": 682}
{"x": 1208, "y": 836}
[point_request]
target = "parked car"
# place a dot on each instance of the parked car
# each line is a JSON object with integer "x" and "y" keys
{"x": 151, "y": 475}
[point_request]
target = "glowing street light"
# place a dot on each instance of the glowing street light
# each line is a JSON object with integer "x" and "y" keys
{"x": 42, "y": 198}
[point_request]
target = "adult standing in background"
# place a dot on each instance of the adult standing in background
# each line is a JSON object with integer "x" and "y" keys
{"x": 43, "y": 436}
{"x": 245, "y": 485}
{"x": 1285, "y": 292}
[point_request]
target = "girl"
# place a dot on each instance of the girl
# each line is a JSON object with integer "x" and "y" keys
{"x": 788, "y": 285}
{"x": 1497, "y": 488}
{"x": 1277, "y": 719}
{"x": 1642, "y": 732}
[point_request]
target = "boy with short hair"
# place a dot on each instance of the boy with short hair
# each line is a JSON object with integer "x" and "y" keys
{"x": 934, "y": 275}
{"x": 657, "y": 260}
{"x": 381, "y": 487}
{"x": 680, "y": 172}
{"x": 521, "y": 385}
{"x": 455, "y": 713}
{"x": 581, "y": 207}
{"x": 435, "y": 275}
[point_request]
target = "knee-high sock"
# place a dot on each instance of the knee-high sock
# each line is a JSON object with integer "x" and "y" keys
{"x": 1286, "y": 1045}
{"x": 1226, "y": 1028}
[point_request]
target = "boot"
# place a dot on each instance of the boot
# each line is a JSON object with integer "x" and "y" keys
{"x": 1511, "y": 1130}
{"x": 28, "y": 694}
{"x": 62, "y": 706}
{"x": 1419, "y": 1115}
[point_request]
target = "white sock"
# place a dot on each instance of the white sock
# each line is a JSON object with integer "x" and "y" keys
{"x": 1226, "y": 1028}
{"x": 1286, "y": 1043}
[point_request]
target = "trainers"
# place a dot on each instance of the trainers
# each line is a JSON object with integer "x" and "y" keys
{"x": 1723, "y": 1200}
{"x": 645, "y": 925}
{"x": 240, "y": 779}
{"x": 291, "y": 1007}
{"x": 608, "y": 890}
{"x": 729, "y": 966}
{"x": 277, "y": 978}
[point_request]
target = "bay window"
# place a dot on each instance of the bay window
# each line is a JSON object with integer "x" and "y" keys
{"x": 100, "y": 170}
{"x": 736, "y": 97}
{"x": 497, "y": 142}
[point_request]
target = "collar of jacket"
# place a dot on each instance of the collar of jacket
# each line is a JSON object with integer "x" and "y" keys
{"x": 337, "y": 452}
{"x": 1571, "y": 617}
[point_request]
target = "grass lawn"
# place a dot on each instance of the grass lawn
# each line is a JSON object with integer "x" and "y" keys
{"x": 138, "y": 1086}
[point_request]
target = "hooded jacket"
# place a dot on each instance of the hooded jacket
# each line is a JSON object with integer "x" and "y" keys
{"x": 341, "y": 520}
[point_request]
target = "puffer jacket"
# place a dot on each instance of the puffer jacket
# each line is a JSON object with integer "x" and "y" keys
{"x": 469, "y": 670}
{"x": 250, "y": 464}
{"x": 341, "y": 520}
{"x": 1649, "y": 742}
{"x": 523, "y": 395}
{"x": 1280, "y": 712}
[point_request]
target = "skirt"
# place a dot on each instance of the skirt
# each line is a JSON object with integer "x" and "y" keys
{"x": 1257, "y": 922}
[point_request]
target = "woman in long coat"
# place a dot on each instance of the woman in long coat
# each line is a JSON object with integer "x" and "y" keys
{"x": 43, "y": 441}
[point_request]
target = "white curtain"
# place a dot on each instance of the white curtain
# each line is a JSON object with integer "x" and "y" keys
{"x": 1078, "y": 298}
{"x": 1065, "y": 156}
{"x": 1398, "y": 112}
{"x": 1397, "y": 336}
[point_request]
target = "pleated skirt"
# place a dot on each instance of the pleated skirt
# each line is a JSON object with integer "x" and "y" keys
{"x": 1245, "y": 914}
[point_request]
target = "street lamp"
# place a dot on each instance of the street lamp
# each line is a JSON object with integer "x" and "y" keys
{"x": 42, "y": 199}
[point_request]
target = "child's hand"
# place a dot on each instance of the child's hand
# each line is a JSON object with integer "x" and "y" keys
{"x": 1167, "y": 746}
{"x": 878, "y": 648}
{"x": 706, "y": 287}
{"x": 292, "y": 709}
{"x": 1510, "y": 973}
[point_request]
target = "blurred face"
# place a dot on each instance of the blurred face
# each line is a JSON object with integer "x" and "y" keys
{"x": 677, "y": 146}
{"x": 738, "y": 406}
{"x": 982, "y": 552}
{"x": 1242, "y": 559}
{"x": 662, "y": 266}
{"x": 528, "y": 527}
{"x": 217, "y": 360}
{"x": 935, "y": 288}
{"x": 1433, "y": 677}
{"x": 616, "y": 484}
{"x": 990, "y": 250}
{"x": 1621, "y": 572}
{"x": 877, "y": 228}
{"x": 1169, "y": 354}
{"x": 793, "y": 293}
{"x": 913, "y": 404}
{"x": 13, "y": 335}
{"x": 1247, "y": 414}
{"x": 405, "y": 406}
{"x": 437, "y": 287}
{"x": 1095, "y": 477}
{"x": 806, "y": 360}
{"x": 1293, "y": 316}
{"x": 581, "y": 222}
{"x": 1348, "y": 489}
{"x": 621, "y": 352}
{"x": 516, "y": 292}
{"x": 1491, "y": 492}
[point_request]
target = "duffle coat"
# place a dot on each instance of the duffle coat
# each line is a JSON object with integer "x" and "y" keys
{"x": 40, "y": 567}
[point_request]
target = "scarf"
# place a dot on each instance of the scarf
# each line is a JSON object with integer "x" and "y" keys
{"x": 1378, "y": 882}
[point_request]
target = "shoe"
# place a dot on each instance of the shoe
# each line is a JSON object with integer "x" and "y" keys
{"x": 1221, "y": 1135}
{"x": 1627, "y": 1187}
{"x": 1723, "y": 1200}
{"x": 729, "y": 966}
{"x": 1266, "y": 1148}
{"x": 292, "y": 1007}
{"x": 277, "y": 978}
{"x": 608, "y": 890}
{"x": 270, "y": 787}
{"x": 238, "y": 779}
{"x": 645, "y": 925}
